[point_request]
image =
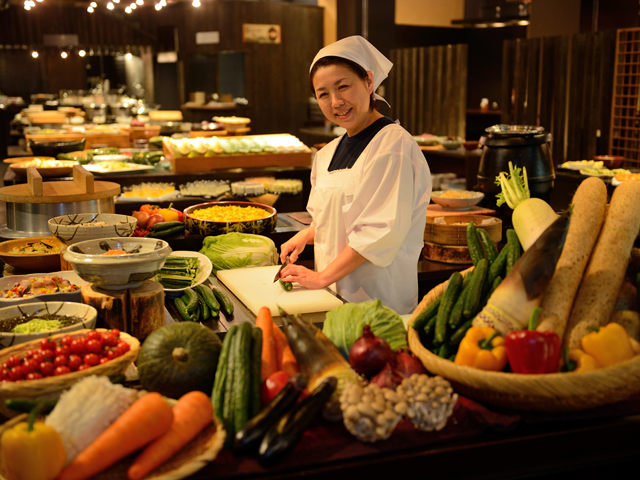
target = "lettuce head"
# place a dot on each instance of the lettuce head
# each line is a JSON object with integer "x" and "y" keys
{"x": 238, "y": 250}
{"x": 343, "y": 325}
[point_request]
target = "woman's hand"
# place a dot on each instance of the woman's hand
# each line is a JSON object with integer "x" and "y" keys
{"x": 295, "y": 245}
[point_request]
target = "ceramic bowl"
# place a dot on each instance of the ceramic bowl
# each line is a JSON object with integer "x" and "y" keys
{"x": 7, "y": 283}
{"x": 204, "y": 228}
{"x": 32, "y": 262}
{"x": 122, "y": 271}
{"x": 451, "y": 144}
{"x": 456, "y": 199}
{"x": 86, "y": 313}
{"x": 609, "y": 161}
{"x": 52, "y": 149}
{"x": 471, "y": 145}
{"x": 79, "y": 227}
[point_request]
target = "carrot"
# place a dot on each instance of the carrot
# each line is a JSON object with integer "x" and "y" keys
{"x": 264, "y": 322}
{"x": 191, "y": 414}
{"x": 148, "y": 418}
{"x": 284, "y": 355}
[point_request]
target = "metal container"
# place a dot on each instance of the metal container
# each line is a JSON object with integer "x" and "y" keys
{"x": 523, "y": 145}
{"x": 31, "y": 219}
{"x": 94, "y": 109}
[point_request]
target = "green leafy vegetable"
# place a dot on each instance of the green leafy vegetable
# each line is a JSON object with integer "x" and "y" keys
{"x": 237, "y": 250}
{"x": 343, "y": 325}
{"x": 37, "y": 325}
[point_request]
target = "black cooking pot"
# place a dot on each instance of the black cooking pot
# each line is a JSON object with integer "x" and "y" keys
{"x": 523, "y": 145}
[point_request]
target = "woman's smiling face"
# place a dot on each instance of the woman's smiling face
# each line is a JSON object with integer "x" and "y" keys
{"x": 344, "y": 98}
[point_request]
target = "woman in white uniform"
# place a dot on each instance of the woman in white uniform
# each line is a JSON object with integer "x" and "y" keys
{"x": 369, "y": 188}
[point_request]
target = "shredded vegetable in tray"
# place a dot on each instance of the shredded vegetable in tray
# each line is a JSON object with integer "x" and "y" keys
{"x": 230, "y": 213}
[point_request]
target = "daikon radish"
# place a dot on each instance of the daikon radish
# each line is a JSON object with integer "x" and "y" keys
{"x": 596, "y": 297}
{"x": 589, "y": 207}
{"x": 531, "y": 216}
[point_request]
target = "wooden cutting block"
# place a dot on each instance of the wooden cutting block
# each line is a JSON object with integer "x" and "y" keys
{"x": 255, "y": 288}
{"x": 446, "y": 253}
{"x": 137, "y": 311}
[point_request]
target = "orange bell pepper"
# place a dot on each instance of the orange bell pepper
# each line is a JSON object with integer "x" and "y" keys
{"x": 483, "y": 348}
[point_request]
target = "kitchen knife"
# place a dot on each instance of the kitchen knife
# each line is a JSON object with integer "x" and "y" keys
{"x": 285, "y": 263}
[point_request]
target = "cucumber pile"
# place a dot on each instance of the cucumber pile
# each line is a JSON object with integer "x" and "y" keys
{"x": 444, "y": 323}
{"x": 236, "y": 389}
{"x": 202, "y": 303}
{"x": 178, "y": 272}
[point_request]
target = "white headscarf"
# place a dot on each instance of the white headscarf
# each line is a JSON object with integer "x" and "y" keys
{"x": 359, "y": 50}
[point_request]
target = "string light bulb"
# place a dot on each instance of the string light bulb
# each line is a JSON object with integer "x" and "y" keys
{"x": 196, "y": 3}
{"x": 34, "y": 54}
{"x": 82, "y": 53}
{"x": 128, "y": 10}
{"x": 110, "y": 6}
{"x": 90, "y": 9}
{"x": 64, "y": 54}
{"x": 158, "y": 6}
{"x": 140, "y": 2}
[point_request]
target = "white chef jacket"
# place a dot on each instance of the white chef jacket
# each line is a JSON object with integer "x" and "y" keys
{"x": 379, "y": 208}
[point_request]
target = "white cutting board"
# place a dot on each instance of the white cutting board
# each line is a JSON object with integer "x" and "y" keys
{"x": 255, "y": 288}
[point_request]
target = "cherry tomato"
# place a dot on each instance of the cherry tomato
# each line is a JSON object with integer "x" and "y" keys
{"x": 115, "y": 353}
{"x": 47, "y": 344}
{"x": 123, "y": 346}
{"x": 93, "y": 335}
{"x": 46, "y": 368}
{"x": 84, "y": 366}
{"x": 66, "y": 340}
{"x": 29, "y": 366}
{"x": 74, "y": 362}
{"x": 4, "y": 375}
{"x": 15, "y": 373}
{"x": 64, "y": 350}
{"x": 91, "y": 359}
{"x": 48, "y": 355}
{"x": 13, "y": 361}
{"x": 78, "y": 345}
{"x": 37, "y": 357}
{"x": 110, "y": 340}
{"x": 34, "y": 376}
{"x": 61, "y": 370}
{"x": 29, "y": 353}
{"x": 116, "y": 332}
{"x": 94, "y": 346}
{"x": 272, "y": 386}
{"x": 60, "y": 361}
{"x": 103, "y": 360}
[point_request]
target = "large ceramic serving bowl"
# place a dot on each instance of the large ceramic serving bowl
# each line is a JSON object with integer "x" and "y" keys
{"x": 7, "y": 283}
{"x": 86, "y": 313}
{"x": 52, "y": 149}
{"x": 32, "y": 262}
{"x": 204, "y": 228}
{"x": 79, "y": 227}
{"x": 121, "y": 271}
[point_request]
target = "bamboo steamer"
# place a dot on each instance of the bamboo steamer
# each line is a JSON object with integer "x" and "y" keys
{"x": 454, "y": 229}
{"x": 554, "y": 392}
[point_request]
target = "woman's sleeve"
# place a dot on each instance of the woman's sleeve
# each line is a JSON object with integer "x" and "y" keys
{"x": 394, "y": 191}
{"x": 311, "y": 201}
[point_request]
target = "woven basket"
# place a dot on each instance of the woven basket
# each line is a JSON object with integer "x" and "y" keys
{"x": 554, "y": 392}
{"x": 52, "y": 387}
{"x": 191, "y": 458}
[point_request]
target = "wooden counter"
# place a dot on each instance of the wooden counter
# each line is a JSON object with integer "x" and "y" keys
{"x": 92, "y": 140}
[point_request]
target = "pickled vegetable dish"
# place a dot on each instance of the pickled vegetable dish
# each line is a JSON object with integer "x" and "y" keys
{"x": 36, "y": 248}
{"x": 29, "y": 287}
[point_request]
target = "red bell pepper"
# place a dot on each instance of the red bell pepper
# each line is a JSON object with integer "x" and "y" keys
{"x": 530, "y": 351}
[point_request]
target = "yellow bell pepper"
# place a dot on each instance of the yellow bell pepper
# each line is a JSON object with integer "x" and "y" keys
{"x": 608, "y": 345}
{"x": 483, "y": 348}
{"x": 582, "y": 362}
{"x": 32, "y": 451}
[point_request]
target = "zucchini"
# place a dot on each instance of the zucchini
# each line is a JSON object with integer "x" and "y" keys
{"x": 217, "y": 394}
{"x": 182, "y": 308}
{"x": 472, "y": 302}
{"x": 514, "y": 250}
{"x": 209, "y": 298}
{"x": 431, "y": 324}
{"x": 204, "y": 308}
{"x": 475, "y": 250}
{"x": 255, "y": 366}
{"x": 448, "y": 299}
{"x": 285, "y": 434}
{"x": 489, "y": 246}
{"x": 225, "y": 304}
{"x": 190, "y": 298}
{"x": 249, "y": 437}
{"x": 497, "y": 267}
{"x": 242, "y": 378}
{"x": 458, "y": 307}
{"x": 459, "y": 334}
{"x": 423, "y": 317}
{"x": 444, "y": 351}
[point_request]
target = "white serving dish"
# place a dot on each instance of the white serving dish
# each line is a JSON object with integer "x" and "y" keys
{"x": 457, "y": 203}
{"x": 69, "y": 229}
{"x": 111, "y": 158}
{"x": 118, "y": 272}
{"x": 88, "y": 313}
{"x": 71, "y": 276}
{"x": 205, "y": 270}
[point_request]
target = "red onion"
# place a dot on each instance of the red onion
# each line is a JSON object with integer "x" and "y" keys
{"x": 369, "y": 354}
{"x": 406, "y": 364}
{"x": 387, "y": 378}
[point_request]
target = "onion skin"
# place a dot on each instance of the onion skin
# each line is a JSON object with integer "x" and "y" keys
{"x": 369, "y": 354}
{"x": 387, "y": 378}
{"x": 406, "y": 364}
{"x": 142, "y": 218}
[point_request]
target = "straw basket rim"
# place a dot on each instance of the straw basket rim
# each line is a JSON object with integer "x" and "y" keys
{"x": 51, "y": 387}
{"x": 553, "y": 392}
{"x": 206, "y": 445}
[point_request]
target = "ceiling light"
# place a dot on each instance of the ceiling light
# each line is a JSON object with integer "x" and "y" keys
{"x": 133, "y": 6}
{"x": 93, "y": 4}
{"x": 523, "y": 22}
{"x": 64, "y": 54}
{"x": 196, "y": 3}
{"x": 128, "y": 56}
{"x": 128, "y": 10}
{"x": 158, "y": 6}
{"x": 140, "y": 2}
{"x": 82, "y": 53}
{"x": 110, "y": 6}
{"x": 34, "y": 54}
{"x": 90, "y": 9}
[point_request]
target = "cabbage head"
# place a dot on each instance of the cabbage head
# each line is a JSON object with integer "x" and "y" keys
{"x": 238, "y": 250}
{"x": 343, "y": 325}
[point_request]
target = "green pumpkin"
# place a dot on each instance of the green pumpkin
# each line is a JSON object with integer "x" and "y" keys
{"x": 179, "y": 358}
